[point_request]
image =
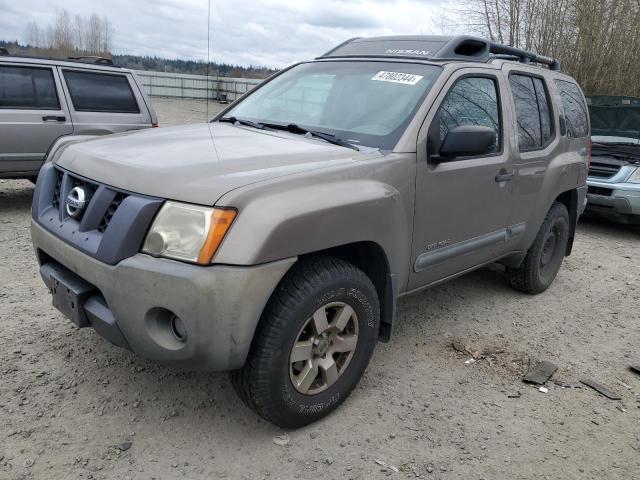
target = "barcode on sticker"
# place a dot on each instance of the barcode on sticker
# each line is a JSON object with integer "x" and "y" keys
{"x": 397, "y": 77}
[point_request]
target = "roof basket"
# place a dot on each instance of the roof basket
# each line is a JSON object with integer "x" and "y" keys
{"x": 92, "y": 59}
{"x": 438, "y": 48}
{"x": 4, "y": 51}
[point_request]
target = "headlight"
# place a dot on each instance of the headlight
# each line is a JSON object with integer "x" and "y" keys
{"x": 635, "y": 176}
{"x": 188, "y": 232}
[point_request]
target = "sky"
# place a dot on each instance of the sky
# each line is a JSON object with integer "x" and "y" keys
{"x": 272, "y": 33}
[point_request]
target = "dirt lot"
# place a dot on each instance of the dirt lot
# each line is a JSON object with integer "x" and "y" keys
{"x": 177, "y": 112}
{"x": 67, "y": 397}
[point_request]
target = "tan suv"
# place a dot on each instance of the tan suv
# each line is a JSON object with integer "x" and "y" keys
{"x": 275, "y": 240}
{"x": 44, "y": 100}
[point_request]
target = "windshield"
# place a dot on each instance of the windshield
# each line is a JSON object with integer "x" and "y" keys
{"x": 360, "y": 103}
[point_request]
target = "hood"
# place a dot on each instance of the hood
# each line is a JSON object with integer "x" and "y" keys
{"x": 198, "y": 163}
{"x": 615, "y": 117}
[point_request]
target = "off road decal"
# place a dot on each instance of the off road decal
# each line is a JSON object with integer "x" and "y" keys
{"x": 397, "y": 77}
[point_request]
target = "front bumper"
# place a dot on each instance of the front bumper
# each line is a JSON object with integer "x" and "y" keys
{"x": 219, "y": 305}
{"x": 616, "y": 200}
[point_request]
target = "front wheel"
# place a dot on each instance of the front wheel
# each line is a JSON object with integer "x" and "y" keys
{"x": 313, "y": 343}
{"x": 543, "y": 260}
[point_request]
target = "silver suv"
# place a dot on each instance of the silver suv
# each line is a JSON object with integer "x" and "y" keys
{"x": 614, "y": 173}
{"x": 275, "y": 240}
{"x": 44, "y": 100}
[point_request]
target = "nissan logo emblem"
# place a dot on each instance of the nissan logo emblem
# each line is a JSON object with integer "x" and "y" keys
{"x": 75, "y": 202}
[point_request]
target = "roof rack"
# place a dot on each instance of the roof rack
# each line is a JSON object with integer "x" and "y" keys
{"x": 92, "y": 59}
{"x": 523, "y": 55}
{"x": 435, "y": 48}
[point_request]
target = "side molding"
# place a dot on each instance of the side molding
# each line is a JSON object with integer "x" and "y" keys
{"x": 429, "y": 259}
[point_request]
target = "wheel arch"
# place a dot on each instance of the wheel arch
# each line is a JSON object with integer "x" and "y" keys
{"x": 569, "y": 199}
{"x": 371, "y": 258}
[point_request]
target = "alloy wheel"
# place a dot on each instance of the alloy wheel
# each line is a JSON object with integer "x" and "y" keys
{"x": 323, "y": 348}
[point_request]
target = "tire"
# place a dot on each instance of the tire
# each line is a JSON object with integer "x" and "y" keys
{"x": 266, "y": 382}
{"x": 543, "y": 260}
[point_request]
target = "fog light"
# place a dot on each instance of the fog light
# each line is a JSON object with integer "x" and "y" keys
{"x": 178, "y": 329}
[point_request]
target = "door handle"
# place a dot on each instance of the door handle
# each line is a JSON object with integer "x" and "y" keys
{"x": 503, "y": 177}
{"x": 54, "y": 118}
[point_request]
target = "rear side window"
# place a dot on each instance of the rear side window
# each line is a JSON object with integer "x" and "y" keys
{"x": 575, "y": 110}
{"x": 100, "y": 92}
{"x": 28, "y": 88}
{"x": 533, "y": 113}
{"x": 472, "y": 101}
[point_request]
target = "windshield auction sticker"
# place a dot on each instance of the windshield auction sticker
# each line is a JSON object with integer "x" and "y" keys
{"x": 396, "y": 77}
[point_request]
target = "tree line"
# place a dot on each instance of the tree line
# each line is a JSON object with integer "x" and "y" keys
{"x": 156, "y": 64}
{"x": 75, "y": 35}
{"x": 72, "y": 34}
{"x": 596, "y": 41}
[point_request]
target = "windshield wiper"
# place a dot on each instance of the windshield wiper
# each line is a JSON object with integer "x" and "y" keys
{"x": 247, "y": 123}
{"x": 328, "y": 137}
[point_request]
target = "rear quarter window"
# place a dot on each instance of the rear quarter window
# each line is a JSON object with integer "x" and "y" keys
{"x": 533, "y": 113}
{"x": 575, "y": 110}
{"x": 100, "y": 92}
{"x": 28, "y": 88}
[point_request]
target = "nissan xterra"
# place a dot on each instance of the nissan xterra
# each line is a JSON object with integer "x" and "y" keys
{"x": 275, "y": 240}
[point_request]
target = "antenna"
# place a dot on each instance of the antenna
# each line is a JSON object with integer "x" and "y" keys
{"x": 208, "y": 55}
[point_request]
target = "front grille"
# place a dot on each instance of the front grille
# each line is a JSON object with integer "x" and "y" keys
{"x": 89, "y": 189}
{"x": 606, "y": 192}
{"x": 111, "y": 210}
{"x": 67, "y": 182}
{"x": 56, "y": 191}
{"x": 94, "y": 233}
{"x": 603, "y": 170}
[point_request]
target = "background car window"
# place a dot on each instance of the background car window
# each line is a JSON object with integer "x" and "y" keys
{"x": 575, "y": 110}
{"x": 100, "y": 92}
{"x": 533, "y": 114}
{"x": 24, "y": 87}
{"x": 471, "y": 101}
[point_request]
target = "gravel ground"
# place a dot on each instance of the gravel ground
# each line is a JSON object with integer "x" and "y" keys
{"x": 68, "y": 398}
{"x": 177, "y": 112}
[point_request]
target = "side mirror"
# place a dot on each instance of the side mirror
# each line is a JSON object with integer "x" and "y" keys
{"x": 466, "y": 141}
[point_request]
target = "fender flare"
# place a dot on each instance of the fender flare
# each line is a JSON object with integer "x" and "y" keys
{"x": 303, "y": 219}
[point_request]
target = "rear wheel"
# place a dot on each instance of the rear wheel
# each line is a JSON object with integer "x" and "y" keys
{"x": 543, "y": 260}
{"x": 313, "y": 343}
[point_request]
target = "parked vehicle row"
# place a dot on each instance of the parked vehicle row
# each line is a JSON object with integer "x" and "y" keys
{"x": 275, "y": 240}
{"x": 43, "y": 101}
